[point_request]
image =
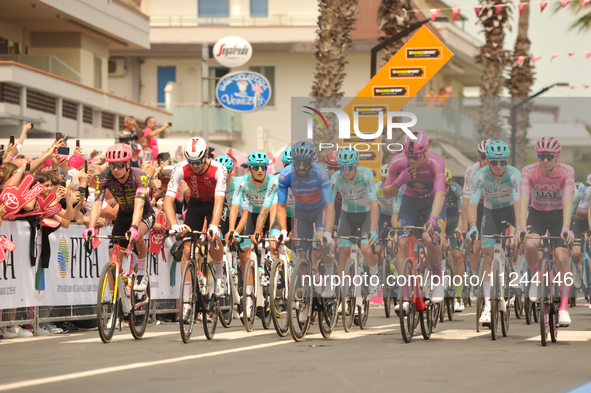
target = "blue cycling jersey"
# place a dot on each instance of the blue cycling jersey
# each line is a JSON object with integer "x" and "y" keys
{"x": 309, "y": 193}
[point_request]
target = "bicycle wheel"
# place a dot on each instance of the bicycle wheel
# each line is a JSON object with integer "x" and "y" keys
{"x": 479, "y": 293}
{"x": 407, "y": 319}
{"x": 348, "y": 295}
{"x": 495, "y": 298}
{"x": 328, "y": 317}
{"x": 587, "y": 278}
{"x": 249, "y": 308}
{"x": 226, "y": 304}
{"x": 186, "y": 325}
{"x": 209, "y": 304}
{"x": 300, "y": 300}
{"x": 107, "y": 306}
{"x": 506, "y": 315}
{"x": 450, "y": 291}
{"x": 279, "y": 298}
{"x": 386, "y": 289}
{"x": 555, "y": 298}
{"x": 545, "y": 300}
{"x": 140, "y": 310}
{"x": 450, "y": 308}
{"x": 265, "y": 313}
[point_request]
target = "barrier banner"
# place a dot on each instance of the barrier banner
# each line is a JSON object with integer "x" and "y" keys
{"x": 72, "y": 277}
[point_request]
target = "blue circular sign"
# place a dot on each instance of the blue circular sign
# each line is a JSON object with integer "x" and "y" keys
{"x": 243, "y": 91}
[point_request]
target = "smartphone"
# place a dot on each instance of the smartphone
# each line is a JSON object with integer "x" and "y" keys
{"x": 63, "y": 151}
{"x": 149, "y": 156}
{"x": 65, "y": 139}
{"x": 28, "y": 167}
{"x": 170, "y": 124}
{"x": 12, "y": 140}
{"x": 77, "y": 142}
{"x": 85, "y": 166}
{"x": 151, "y": 192}
{"x": 159, "y": 162}
{"x": 32, "y": 125}
{"x": 58, "y": 136}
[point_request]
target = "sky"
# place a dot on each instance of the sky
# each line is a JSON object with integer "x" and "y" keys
{"x": 548, "y": 33}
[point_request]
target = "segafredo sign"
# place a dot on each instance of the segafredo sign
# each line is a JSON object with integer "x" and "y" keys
{"x": 232, "y": 51}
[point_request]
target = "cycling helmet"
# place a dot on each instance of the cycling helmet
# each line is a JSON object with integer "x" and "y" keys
{"x": 196, "y": 149}
{"x": 448, "y": 175}
{"x": 120, "y": 152}
{"x": 578, "y": 185}
{"x": 286, "y": 156}
{"x": 304, "y": 151}
{"x": 258, "y": 158}
{"x": 548, "y": 144}
{"x": 348, "y": 156}
{"x": 497, "y": 150}
{"x": 331, "y": 158}
{"x": 227, "y": 162}
{"x": 384, "y": 170}
{"x": 589, "y": 180}
{"x": 416, "y": 146}
{"x": 482, "y": 145}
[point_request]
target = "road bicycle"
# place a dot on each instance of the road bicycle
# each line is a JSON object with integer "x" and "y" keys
{"x": 233, "y": 278}
{"x": 449, "y": 291}
{"x": 279, "y": 290}
{"x": 116, "y": 298}
{"x": 388, "y": 272}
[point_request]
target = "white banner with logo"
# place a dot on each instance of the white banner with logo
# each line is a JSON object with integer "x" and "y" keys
{"x": 72, "y": 277}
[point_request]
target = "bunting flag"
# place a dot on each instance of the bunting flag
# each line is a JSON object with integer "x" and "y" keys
{"x": 521, "y": 7}
{"x": 520, "y": 59}
{"x": 456, "y": 12}
{"x": 571, "y": 53}
{"x": 477, "y": 10}
{"x": 553, "y": 56}
{"x": 564, "y": 2}
{"x": 536, "y": 57}
{"x": 572, "y": 87}
{"x": 587, "y": 54}
{"x": 434, "y": 13}
{"x": 543, "y": 5}
{"x": 499, "y": 8}
{"x": 585, "y": 86}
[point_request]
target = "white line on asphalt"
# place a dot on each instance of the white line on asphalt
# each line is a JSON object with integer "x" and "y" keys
{"x": 133, "y": 366}
{"x": 568, "y": 335}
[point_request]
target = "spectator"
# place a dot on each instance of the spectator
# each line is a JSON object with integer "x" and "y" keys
{"x": 442, "y": 97}
{"x": 431, "y": 98}
{"x": 151, "y": 131}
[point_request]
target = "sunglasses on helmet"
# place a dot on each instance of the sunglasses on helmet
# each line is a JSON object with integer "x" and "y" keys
{"x": 548, "y": 156}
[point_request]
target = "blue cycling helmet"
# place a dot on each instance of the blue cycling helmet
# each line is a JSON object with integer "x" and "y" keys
{"x": 286, "y": 156}
{"x": 258, "y": 158}
{"x": 303, "y": 151}
{"x": 497, "y": 150}
{"x": 348, "y": 156}
{"x": 226, "y": 161}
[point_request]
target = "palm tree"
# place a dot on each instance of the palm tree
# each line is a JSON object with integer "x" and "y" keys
{"x": 494, "y": 60}
{"x": 519, "y": 85}
{"x": 335, "y": 24}
{"x": 583, "y": 23}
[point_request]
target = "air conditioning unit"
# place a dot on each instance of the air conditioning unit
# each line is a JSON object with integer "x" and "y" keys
{"x": 117, "y": 67}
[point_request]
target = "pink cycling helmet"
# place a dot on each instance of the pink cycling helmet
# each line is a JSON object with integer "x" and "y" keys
{"x": 119, "y": 152}
{"x": 416, "y": 146}
{"x": 548, "y": 144}
{"x": 331, "y": 158}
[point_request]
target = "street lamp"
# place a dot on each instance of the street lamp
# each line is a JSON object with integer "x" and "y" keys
{"x": 514, "y": 117}
{"x": 394, "y": 38}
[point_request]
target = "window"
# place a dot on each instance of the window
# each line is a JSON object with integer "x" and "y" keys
{"x": 214, "y": 8}
{"x": 259, "y": 8}
{"x": 215, "y": 74}
{"x": 269, "y": 73}
{"x": 165, "y": 75}
{"x": 98, "y": 73}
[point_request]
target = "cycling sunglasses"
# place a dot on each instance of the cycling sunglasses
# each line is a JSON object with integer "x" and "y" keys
{"x": 118, "y": 165}
{"x": 333, "y": 168}
{"x": 258, "y": 167}
{"x": 414, "y": 156}
{"x": 197, "y": 162}
{"x": 348, "y": 168}
{"x": 548, "y": 156}
{"x": 498, "y": 162}
{"x": 304, "y": 163}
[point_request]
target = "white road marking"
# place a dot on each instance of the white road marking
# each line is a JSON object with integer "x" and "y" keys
{"x": 567, "y": 335}
{"x": 457, "y": 334}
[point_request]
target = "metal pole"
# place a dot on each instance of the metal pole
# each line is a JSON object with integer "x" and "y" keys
{"x": 513, "y": 135}
{"x": 205, "y": 88}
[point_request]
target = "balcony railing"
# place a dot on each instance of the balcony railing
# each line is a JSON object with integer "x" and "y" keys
{"x": 446, "y": 120}
{"x": 241, "y": 20}
{"x": 50, "y": 64}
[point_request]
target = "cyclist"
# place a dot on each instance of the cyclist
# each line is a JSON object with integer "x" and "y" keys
{"x": 499, "y": 184}
{"x": 580, "y": 225}
{"x": 550, "y": 184}
{"x": 453, "y": 206}
{"x": 206, "y": 180}
{"x": 332, "y": 166}
{"x": 463, "y": 222}
{"x": 314, "y": 207}
{"x": 423, "y": 172}
{"x": 231, "y": 182}
{"x": 360, "y": 210}
{"x": 386, "y": 204}
{"x": 129, "y": 186}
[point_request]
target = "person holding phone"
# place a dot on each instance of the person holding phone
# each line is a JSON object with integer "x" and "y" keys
{"x": 151, "y": 131}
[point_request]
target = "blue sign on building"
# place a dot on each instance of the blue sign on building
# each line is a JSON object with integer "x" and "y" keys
{"x": 243, "y": 91}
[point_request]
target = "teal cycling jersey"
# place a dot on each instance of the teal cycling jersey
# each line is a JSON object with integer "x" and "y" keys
{"x": 230, "y": 194}
{"x": 356, "y": 196}
{"x": 254, "y": 196}
{"x": 386, "y": 204}
{"x": 453, "y": 201}
{"x": 495, "y": 195}
{"x": 397, "y": 200}
{"x": 580, "y": 200}
{"x": 271, "y": 198}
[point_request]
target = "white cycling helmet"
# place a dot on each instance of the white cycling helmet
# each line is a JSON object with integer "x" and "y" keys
{"x": 589, "y": 180}
{"x": 578, "y": 185}
{"x": 482, "y": 146}
{"x": 196, "y": 149}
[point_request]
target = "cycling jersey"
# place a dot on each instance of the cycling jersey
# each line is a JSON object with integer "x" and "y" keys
{"x": 271, "y": 198}
{"x": 230, "y": 190}
{"x": 254, "y": 196}
{"x": 547, "y": 192}
{"x": 309, "y": 193}
{"x": 125, "y": 194}
{"x": 581, "y": 199}
{"x": 453, "y": 201}
{"x": 430, "y": 177}
{"x": 386, "y": 204}
{"x": 204, "y": 187}
{"x": 397, "y": 200}
{"x": 496, "y": 196}
{"x": 468, "y": 179}
{"x": 356, "y": 196}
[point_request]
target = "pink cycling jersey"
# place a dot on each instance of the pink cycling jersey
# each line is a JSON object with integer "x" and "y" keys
{"x": 430, "y": 177}
{"x": 547, "y": 192}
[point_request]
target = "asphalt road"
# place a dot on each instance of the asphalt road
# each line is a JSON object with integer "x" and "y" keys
{"x": 456, "y": 358}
